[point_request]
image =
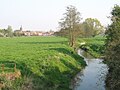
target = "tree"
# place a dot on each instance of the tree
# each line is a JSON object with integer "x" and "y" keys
{"x": 92, "y": 27}
{"x": 70, "y": 23}
{"x": 112, "y": 51}
{"x": 9, "y": 31}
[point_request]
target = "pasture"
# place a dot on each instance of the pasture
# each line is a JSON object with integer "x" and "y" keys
{"x": 45, "y": 63}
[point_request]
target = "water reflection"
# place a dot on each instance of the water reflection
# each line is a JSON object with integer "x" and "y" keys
{"x": 93, "y": 76}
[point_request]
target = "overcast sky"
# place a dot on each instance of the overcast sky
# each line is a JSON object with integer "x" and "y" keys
{"x": 45, "y": 14}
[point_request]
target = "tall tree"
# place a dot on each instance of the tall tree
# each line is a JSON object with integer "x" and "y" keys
{"x": 70, "y": 23}
{"x": 92, "y": 27}
{"x": 113, "y": 50}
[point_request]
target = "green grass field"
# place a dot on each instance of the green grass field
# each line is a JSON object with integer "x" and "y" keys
{"x": 46, "y": 63}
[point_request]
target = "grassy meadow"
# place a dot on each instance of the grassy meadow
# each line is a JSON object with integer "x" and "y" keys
{"x": 45, "y": 63}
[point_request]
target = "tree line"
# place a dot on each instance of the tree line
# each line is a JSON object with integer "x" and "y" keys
{"x": 6, "y": 32}
{"x": 72, "y": 27}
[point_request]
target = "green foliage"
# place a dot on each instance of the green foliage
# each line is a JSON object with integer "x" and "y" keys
{"x": 6, "y": 32}
{"x": 3, "y": 32}
{"x": 46, "y": 63}
{"x": 113, "y": 50}
{"x": 92, "y": 27}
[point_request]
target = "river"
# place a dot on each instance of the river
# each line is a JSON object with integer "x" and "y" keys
{"x": 92, "y": 77}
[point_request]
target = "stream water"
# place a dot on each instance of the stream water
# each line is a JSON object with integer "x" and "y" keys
{"x": 92, "y": 77}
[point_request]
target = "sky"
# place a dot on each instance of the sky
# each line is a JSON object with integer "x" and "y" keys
{"x": 44, "y": 15}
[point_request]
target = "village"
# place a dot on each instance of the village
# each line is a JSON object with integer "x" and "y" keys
{"x": 22, "y": 32}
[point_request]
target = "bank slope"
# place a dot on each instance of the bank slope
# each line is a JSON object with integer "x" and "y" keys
{"x": 94, "y": 45}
